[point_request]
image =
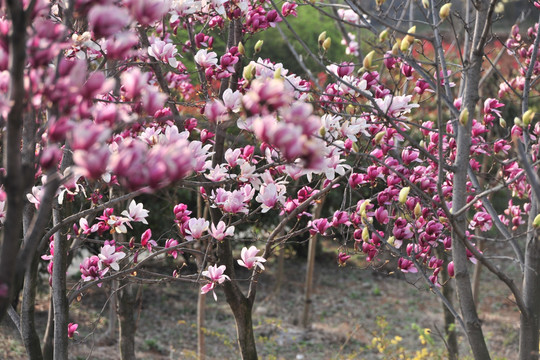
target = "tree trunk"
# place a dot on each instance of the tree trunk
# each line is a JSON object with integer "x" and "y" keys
{"x": 449, "y": 320}
{"x": 127, "y": 305}
{"x": 529, "y": 323}
{"x": 60, "y": 302}
{"x": 28, "y": 327}
{"x": 244, "y": 329}
{"x": 312, "y": 251}
{"x": 459, "y": 195}
{"x": 201, "y": 310}
{"x": 48, "y": 338}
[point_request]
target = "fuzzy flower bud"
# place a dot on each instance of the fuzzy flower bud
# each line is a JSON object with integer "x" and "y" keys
{"x": 322, "y": 37}
{"x": 403, "y": 194}
{"x": 258, "y": 46}
{"x": 464, "y": 117}
{"x": 445, "y": 11}
{"x": 326, "y": 44}
{"x": 383, "y": 35}
{"x": 527, "y": 117}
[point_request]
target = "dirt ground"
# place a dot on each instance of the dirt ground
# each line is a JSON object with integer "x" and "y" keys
{"x": 346, "y": 304}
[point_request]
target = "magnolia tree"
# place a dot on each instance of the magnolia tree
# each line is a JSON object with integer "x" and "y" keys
{"x": 105, "y": 101}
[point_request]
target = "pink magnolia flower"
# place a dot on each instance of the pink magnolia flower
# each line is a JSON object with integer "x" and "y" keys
{"x": 136, "y": 212}
{"x": 107, "y": 20}
{"x": 268, "y": 197}
{"x": 319, "y": 226}
{"x": 206, "y": 59}
{"x": 220, "y": 231}
{"x": 120, "y": 45}
{"x": 342, "y": 258}
{"x": 108, "y": 258}
{"x": 481, "y": 220}
{"x": 250, "y": 260}
{"x": 451, "y": 272}
{"x": 147, "y": 12}
{"x": 196, "y": 228}
{"x": 289, "y": 9}
{"x": 406, "y": 266}
{"x": 171, "y": 243}
{"x": 215, "y": 111}
{"x": 146, "y": 240}
{"x": 90, "y": 269}
{"x": 72, "y": 330}
{"x": 165, "y": 52}
{"x": 216, "y": 276}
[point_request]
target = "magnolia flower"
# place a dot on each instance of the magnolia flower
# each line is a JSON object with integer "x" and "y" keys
{"x": 109, "y": 258}
{"x": 220, "y": 231}
{"x": 216, "y": 276}
{"x": 146, "y": 241}
{"x": 72, "y": 330}
{"x": 162, "y": 51}
{"x": 136, "y": 212}
{"x": 250, "y": 260}
{"x": 172, "y": 243}
{"x": 206, "y": 59}
{"x": 196, "y": 227}
{"x": 90, "y": 269}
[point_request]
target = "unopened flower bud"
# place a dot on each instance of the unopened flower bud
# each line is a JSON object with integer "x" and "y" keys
{"x": 326, "y": 44}
{"x": 502, "y": 122}
{"x": 379, "y": 136}
{"x": 241, "y": 49}
{"x": 425, "y": 4}
{"x": 277, "y": 73}
{"x": 362, "y": 209}
{"x": 445, "y": 11}
{"x": 403, "y": 194}
{"x": 410, "y": 37}
{"x": 322, "y": 37}
{"x": 379, "y": 2}
{"x": 365, "y": 234}
{"x": 350, "y": 109}
{"x": 368, "y": 59}
{"x": 322, "y": 131}
{"x": 391, "y": 240}
{"x": 395, "y": 47}
{"x": 249, "y": 72}
{"x": 383, "y": 35}
{"x": 404, "y": 46}
{"x": 464, "y": 117}
{"x": 417, "y": 210}
{"x": 258, "y": 46}
{"x": 527, "y": 117}
{"x": 536, "y": 221}
{"x": 518, "y": 122}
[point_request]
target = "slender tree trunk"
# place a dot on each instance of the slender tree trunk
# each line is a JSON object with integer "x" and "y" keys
{"x": 201, "y": 311}
{"x": 529, "y": 323}
{"x": 28, "y": 327}
{"x": 312, "y": 251}
{"x": 48, "y": 338}
{"x": 14, "y": 181}
{"x": 459, "y": 195}
{"x": 308, "y": 287}
{"x": 60, "y": 303}
{"x": 244, "y": 326}
{"x": 127, "y": 305}
{"x": 449, "y": 320}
